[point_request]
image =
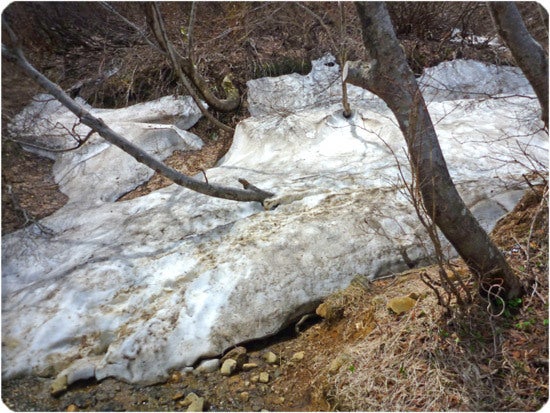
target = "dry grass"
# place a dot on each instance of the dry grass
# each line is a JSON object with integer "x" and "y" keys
{"x": 418, "y": 362}
{"x": 424, "y": 360}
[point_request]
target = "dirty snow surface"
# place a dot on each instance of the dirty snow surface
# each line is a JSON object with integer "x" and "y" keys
{"x": 137, "y": 288}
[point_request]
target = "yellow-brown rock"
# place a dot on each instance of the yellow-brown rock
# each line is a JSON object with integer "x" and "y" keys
{"x": 400, "y": 305}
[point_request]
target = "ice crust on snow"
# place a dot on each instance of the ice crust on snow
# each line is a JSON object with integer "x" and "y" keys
{"x": 134, "y": 289}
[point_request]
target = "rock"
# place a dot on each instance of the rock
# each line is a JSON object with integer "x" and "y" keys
{"x": 193, "y": 402}
{"x": 270, "y": 357}
{"x": 228, "y": 367}
{"x": 249, "y": 366}
{"x": 234, "y": 353}
{"x": 208, "y": 366}
{"x": 176, "y": 377}
{"x": 178, "y": 396}
{"x": 244, "y": 396}
{"x": 190, "y": 398}
{"x": 196, "y": 405}
{"x": 59, "y": 385}
{"x": 321, "y": 310}
{"x": 72, "y": 408}
{"x": 298, "y": 356}
{"x": 331, "y": 312}
{"x": 264, "y": 377}
{"x": 238, "y": 354}
{"x": 400, "y": 305}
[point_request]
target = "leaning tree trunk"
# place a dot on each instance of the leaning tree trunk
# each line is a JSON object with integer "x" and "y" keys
{"x": 387, "y": 74}
{"x": 529, "y": 55}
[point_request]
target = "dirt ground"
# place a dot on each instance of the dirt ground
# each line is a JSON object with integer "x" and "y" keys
{"x": 362, "y": 356}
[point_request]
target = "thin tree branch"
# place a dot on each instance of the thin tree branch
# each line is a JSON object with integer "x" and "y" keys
{"x": 16, "y": 55}
{"x": 186, "y": 66}
{"x": 138, "y": 29}
{"x": 174, "y": 59}
{"x": 190, "y": 28}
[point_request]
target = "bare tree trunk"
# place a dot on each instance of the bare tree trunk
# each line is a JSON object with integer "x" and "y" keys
{"x": 187, "y": 66}
{"x": 387, "y": 74}
{"x": 250, "y": 193}
{"x": 529, "y": 55}
{"x": 157, "y": 24}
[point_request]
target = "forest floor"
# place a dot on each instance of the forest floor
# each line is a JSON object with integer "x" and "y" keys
{"x": 361, "y": 356}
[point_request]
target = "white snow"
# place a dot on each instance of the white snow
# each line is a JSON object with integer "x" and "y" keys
{"x": 134, "y": 289}
{"x": 458, "y": 37}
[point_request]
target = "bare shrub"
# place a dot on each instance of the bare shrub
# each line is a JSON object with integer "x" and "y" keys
{"x": 435, "y": 20}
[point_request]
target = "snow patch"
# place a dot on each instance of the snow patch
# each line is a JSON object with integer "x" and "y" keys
{"x": 134, "y": 289}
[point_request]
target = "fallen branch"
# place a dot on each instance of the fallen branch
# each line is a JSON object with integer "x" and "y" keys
{"x": 15, "y": 54}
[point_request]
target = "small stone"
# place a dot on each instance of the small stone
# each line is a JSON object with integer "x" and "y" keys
{"x": 197, "y": 405}
{"x": 330, "y": 312}
{"x": 249, "y": 366}
{"x": 175, "y": 377}
{"x": 321, "y": 310}
{"x": 270, "y": 357}
{"x": 244, "y": 396}
{"x": 228, "y": 367}
{"x": 178, "y": 396}
{"x": 255, "y": 378}
{"x": 238, "y": 354}
{"x": 298, "y": 356}
{"x": 190, "y": 398}
{"x": 59, "y": 385}
{"x": 400, "y": 305}
{"x": 264, "y": 377}
{"x": 72, "y": 408}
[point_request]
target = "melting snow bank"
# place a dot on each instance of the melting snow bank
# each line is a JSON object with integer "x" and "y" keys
{"x": 134, "y": 289}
